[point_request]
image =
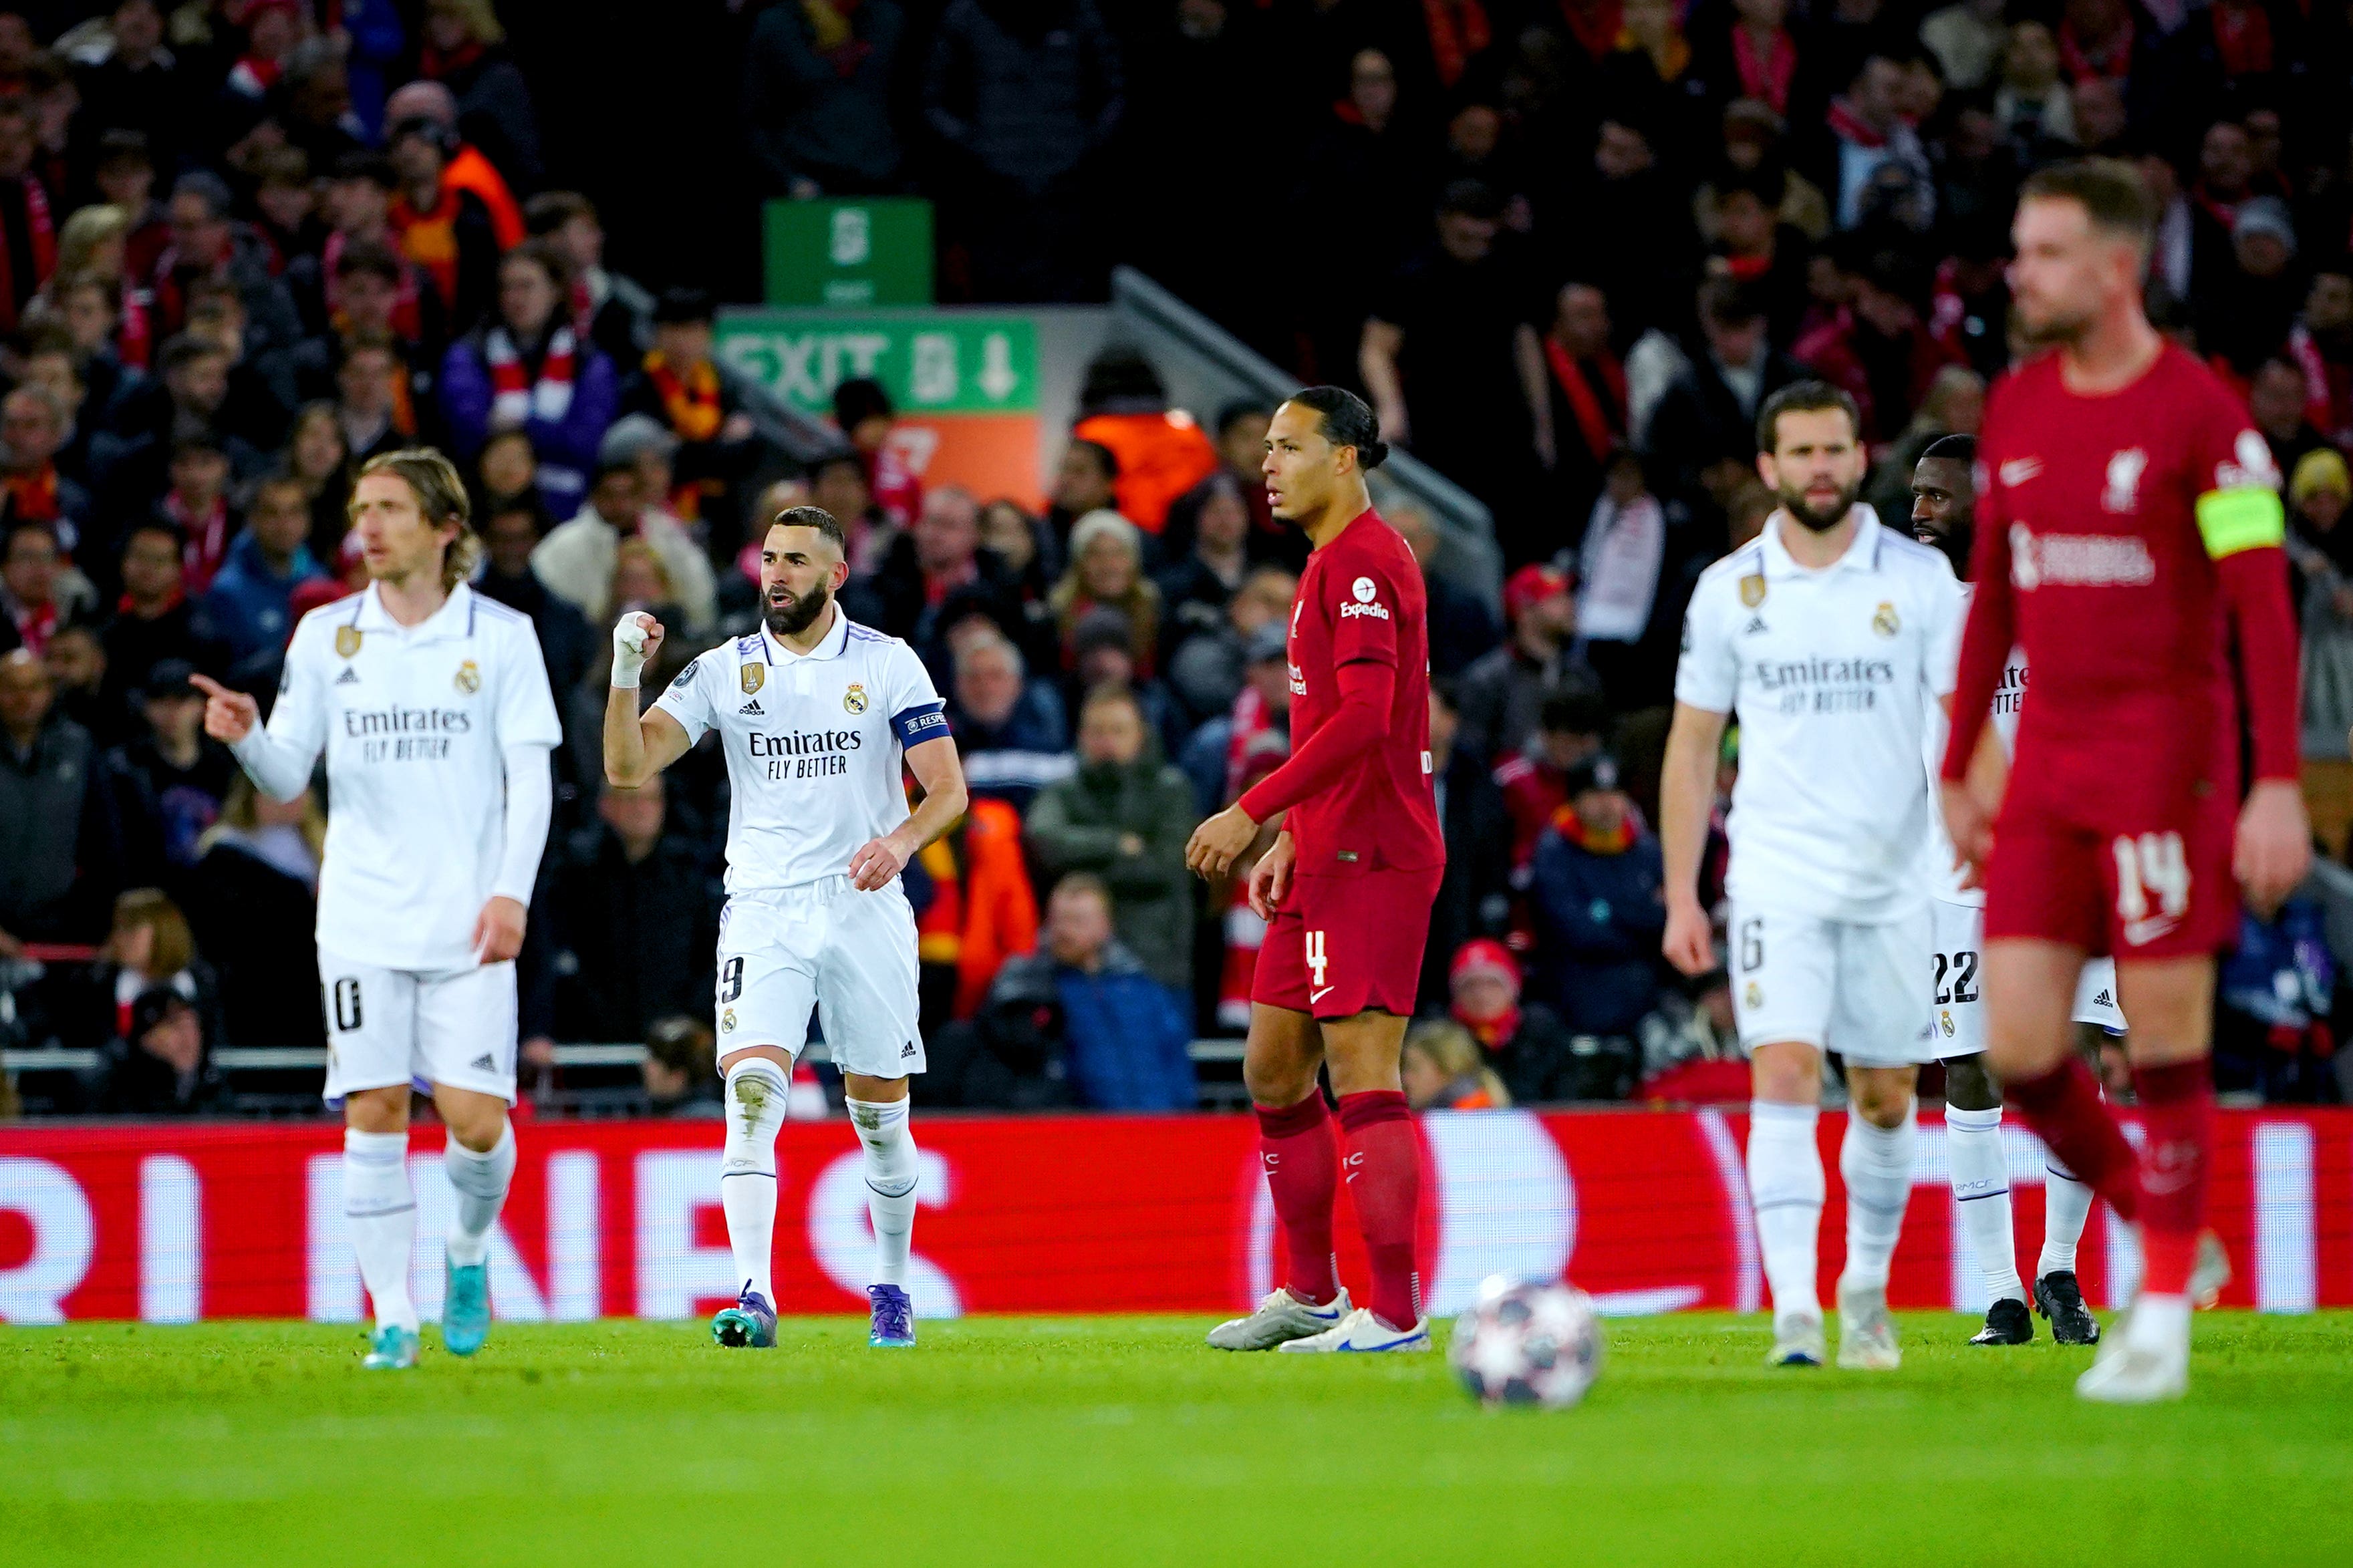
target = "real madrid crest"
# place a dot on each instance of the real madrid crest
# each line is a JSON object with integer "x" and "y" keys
{"x": 1754, "y": 997}
{"x": 751, "y": 676}
{"x": 347, "y": 640}
{"x": 727, "y": 1021}
{"x": 1883, "y": 621}
{"x": 470, "y": 680}
{"x": 1945, "y": 1017}
{"x": 1752, "y": 589}
{"x": 854, "y": 700}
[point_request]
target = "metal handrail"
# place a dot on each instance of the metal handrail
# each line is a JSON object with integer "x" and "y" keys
{"x": 1142, "y": 308}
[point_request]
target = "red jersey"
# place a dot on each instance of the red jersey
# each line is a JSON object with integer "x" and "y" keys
{"x": 1360, "y": 601}
{"x": 2119, "y": 539}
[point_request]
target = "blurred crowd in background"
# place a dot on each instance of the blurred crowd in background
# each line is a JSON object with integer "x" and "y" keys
{"x": 1564, "y": 246}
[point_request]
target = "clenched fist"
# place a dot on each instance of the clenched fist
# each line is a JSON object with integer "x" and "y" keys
{"x": 636, "y": 637}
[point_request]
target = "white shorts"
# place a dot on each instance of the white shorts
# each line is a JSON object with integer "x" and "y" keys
{"x": 1838, "y": 985}
{"x": 1960, "y": 998}
{"x": 388, "y": 1027}
{"x": 822, "y": 944}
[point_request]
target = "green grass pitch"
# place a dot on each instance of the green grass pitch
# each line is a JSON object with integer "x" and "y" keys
{"x": 1123, "y": 1440}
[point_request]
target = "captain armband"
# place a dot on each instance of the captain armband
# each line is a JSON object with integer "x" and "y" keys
{"x": 925, "y": 721}
{"x": 2247, "y": 517}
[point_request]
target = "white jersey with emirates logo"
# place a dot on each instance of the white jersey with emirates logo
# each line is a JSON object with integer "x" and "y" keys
{"x": 415, "y": 722}
{"x": 813, "y": 745}
{"x": 1942, "y": 875}
{"x": 1830, "y": 673}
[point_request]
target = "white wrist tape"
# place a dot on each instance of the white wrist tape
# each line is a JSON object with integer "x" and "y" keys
{"x": 629, "y": 651}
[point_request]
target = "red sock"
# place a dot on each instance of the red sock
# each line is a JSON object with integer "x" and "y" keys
{"x": 2176, "y": 1103}
{"x": 1303, "y": 1173}
{"x": 2063, "y": 1107}
{"x": 1385, "y": 1186}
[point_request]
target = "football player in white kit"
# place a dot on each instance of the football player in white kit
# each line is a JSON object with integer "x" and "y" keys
{"x": 1944, "y": 501}
{"x": 815, "y": 713}
{"x": 431, "y": 704}
{"x": 1831, "y": 634}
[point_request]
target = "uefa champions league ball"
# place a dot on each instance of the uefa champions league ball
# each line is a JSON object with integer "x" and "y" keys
{"x": 1527, "y": 1345}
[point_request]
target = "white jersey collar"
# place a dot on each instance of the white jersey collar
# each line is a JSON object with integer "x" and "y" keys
{"x": 454, "y": 619}
{"x": 1862, "y": 552}
{"x": 829, "y": 646}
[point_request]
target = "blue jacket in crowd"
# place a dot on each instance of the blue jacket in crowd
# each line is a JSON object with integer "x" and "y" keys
{"x": 1013, "y": 761}
{"x": 566, "y": 448}
{"x": 247, "y": 602}
{"x": 1123, "y": 1033}
{"x": 1598, "y": 921}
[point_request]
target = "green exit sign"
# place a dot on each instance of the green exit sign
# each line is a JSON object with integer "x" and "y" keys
{"x": 930, "y": 362}
{"x": 851, "y": 253}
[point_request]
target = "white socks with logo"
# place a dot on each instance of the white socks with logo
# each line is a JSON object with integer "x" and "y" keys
{"x": 1785, "y": 1184}
{"x": 480, "y": 1182}
{"x": 747, "y": 1177}
{"x": 893, "y": 1169}
{"x": 2067, "y": 1205}
{"x": 381, "y": 1213}
{"x": 1876, "y": 1163}
{"x": 1982, "y": 1196}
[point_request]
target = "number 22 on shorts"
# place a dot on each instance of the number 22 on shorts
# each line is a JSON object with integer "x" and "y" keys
{"x": 2150, "y": 869}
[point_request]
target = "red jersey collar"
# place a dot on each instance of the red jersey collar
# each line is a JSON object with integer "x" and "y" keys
{"x": 1350, "y": 526}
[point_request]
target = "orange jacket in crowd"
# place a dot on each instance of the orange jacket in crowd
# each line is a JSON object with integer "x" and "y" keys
{"x": 983, "y": 911}
{"x": 470, "y": 170}
{"x": 1161, "y": 455}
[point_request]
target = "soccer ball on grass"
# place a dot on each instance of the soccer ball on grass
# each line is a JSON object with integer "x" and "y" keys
{"x": 1526, "y": 1343}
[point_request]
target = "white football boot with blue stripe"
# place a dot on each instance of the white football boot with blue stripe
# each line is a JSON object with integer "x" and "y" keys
{"x": 1279, "y": 1318}
{"x": 1361, "y": 1331}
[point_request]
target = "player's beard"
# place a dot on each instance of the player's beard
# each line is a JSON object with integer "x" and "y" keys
{"x": 1956, "y": 543}
{"x": 2055, "y": 330}
{"x": 1821, "y": 521}
{"x": 789, "y": 620}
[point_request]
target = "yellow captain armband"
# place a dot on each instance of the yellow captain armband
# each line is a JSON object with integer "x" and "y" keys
{"x": 2247, "y": 517}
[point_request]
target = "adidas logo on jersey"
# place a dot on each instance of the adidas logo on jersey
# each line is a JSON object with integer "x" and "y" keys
{"x": 907, "y": 1050}
{"x": 2102, "y": 1000}
{"x": 350, "y": 677}
{"x": 1755, "y": 628}
{"x": 484, "y": 1063}
{"x": 753, "y": 710}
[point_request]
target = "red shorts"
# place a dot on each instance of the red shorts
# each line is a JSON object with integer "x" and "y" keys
{"x": 2136, "y": 872}
{"x": 1339, "y": 945}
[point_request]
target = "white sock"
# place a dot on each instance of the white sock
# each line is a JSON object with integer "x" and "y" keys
{"x": 381, "y": 1213}
{"x": 1876, "y": 1163}
{"x": 1981, "y": 1190}
{"x": 747, "y": 1177}
{"x": 2067, "y": 1205}
{"x": 480, "y": 1182}
{"x": 2158, "y": 1323}
{"x": 1786, "y": 1186}
{"x": 893, "y": 1167}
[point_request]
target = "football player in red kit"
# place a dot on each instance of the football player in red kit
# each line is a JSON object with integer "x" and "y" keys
{"x": 1346, "y": 890}
{"x": 2129, "y": 534}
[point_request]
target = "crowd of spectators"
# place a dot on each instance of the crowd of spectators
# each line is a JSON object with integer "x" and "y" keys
{"x": 1564, "y": 246}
